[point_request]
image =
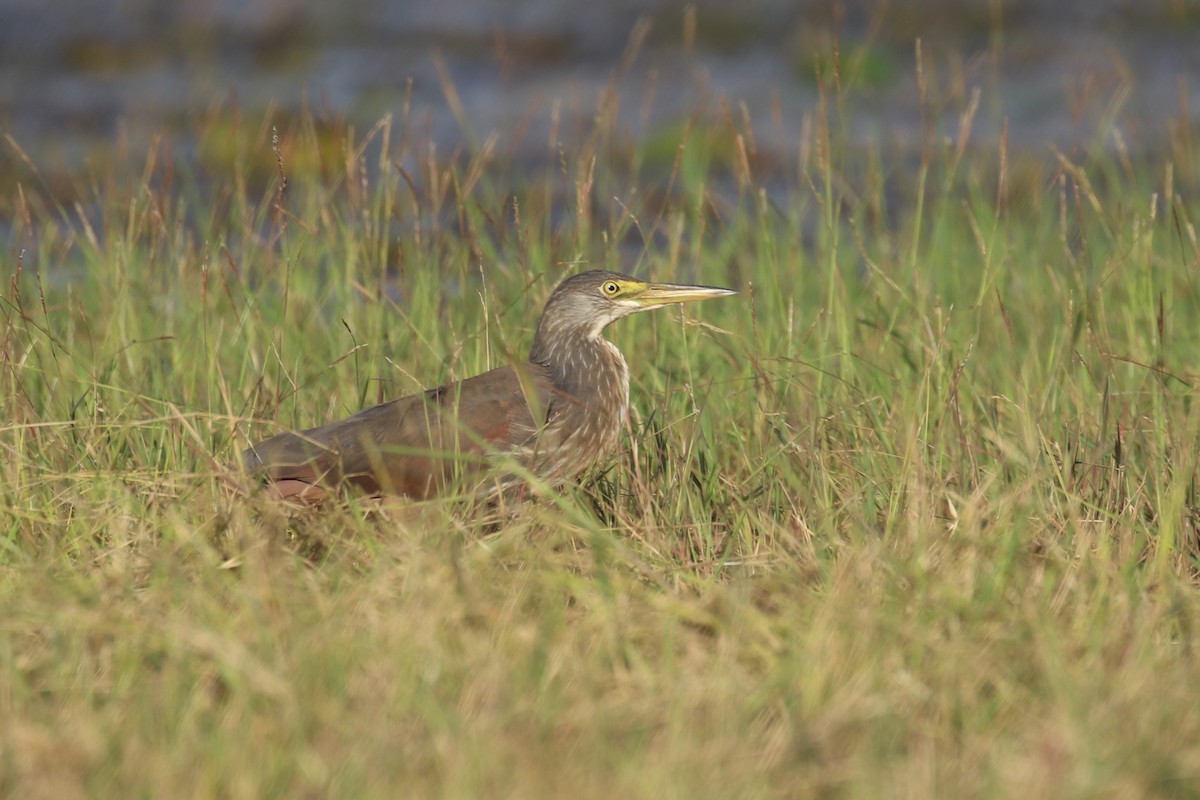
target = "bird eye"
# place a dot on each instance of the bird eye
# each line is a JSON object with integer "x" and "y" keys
{"x": 611, "y": 288}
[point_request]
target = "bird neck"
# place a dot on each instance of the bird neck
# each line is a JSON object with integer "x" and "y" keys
{"x": 582, "y": 365}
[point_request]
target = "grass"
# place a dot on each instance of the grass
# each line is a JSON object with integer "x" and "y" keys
{"x": 913, "y": 515}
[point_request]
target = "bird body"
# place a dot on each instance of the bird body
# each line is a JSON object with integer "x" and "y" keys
{"x": 554, "y": 416}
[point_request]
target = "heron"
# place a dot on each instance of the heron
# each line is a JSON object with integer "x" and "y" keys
{"x": 555, "y": 416}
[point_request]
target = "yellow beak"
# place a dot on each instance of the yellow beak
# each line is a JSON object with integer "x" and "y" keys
{"x": 655, "y": 295}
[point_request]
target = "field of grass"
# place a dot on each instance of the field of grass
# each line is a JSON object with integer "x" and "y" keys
{"x": 913, "y": 515}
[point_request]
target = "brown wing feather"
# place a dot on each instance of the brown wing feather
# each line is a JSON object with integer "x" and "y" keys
{"x": 416, "y": 445}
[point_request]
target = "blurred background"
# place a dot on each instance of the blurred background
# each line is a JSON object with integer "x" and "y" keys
{"x": 80, "y": 79}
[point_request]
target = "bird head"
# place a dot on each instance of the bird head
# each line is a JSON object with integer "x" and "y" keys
{"x": 585, "y": 304}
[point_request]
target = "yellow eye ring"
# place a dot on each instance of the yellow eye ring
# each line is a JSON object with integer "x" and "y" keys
{"x": 611, "y": 288}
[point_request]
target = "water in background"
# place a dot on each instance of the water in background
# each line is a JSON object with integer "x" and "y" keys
{"x": 77, "y": 75}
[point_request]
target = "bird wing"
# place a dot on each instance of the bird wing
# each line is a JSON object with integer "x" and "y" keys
{"x": 416, "y": 445}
